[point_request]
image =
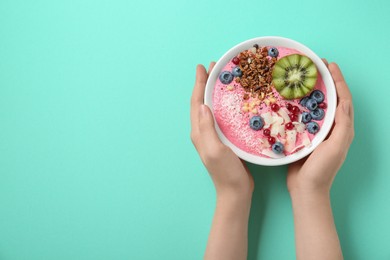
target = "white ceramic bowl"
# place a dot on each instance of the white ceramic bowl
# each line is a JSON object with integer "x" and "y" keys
{"x": 322, "y": 69}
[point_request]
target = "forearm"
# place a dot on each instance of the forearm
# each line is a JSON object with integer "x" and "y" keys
{"x": 315, "y": 232}
{"x": 228, "y": 237}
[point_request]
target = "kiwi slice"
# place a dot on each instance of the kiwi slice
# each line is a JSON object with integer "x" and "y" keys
{"x": 294, "y": 76}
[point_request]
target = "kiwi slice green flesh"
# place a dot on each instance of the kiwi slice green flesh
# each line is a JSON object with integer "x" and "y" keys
{"x": 294, "y": 76}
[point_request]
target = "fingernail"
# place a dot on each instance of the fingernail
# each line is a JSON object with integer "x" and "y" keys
{"x": 346, "y": 108}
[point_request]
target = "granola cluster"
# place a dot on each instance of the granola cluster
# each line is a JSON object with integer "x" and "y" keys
{"x": 256, "y": 70}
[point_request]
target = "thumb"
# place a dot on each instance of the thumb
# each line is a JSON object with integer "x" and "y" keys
{"x": 343, "y": 131}
{"x": 206, "y": 125}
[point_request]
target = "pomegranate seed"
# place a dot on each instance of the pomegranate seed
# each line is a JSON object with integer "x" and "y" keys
{"x": 271, "y": 140}
{"x": 295, "y": 110}
{"x": 236, "y": 60}
{"x": 289, "y": 106}
{"x": 275, "y": 107}
{"x": 266, "y": 132}
{"x": 289, "y": 126}
{"x": 322, "y": 105}
{"x": 293, "y": 117}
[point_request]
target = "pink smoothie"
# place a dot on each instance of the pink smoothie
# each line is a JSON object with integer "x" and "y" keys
{"x": 228, "y": 103}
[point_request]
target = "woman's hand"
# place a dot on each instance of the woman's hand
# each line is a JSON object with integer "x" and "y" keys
{"x": 229, "y": 174}
{"x": 228, "y": 237}
{"x": 309, "y": 182}
{"x": 317, "y": 172}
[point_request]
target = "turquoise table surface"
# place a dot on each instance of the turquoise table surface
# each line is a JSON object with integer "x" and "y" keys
{"x": 95, "y": 156}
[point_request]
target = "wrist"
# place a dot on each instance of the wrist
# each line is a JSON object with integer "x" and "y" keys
{"x": 304, "y": 188}
{"x": 308, "y": 196}
{"x": 232, "y": 195}
{"x": 234, "y": 200}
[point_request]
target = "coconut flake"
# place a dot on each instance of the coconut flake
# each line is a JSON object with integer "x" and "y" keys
{"x": 305, "y": 139}
{"x": 297, "y": 148}
{"x": 271, "y": 154}
{"x": 284, "y": 113}
{"x": 282, "y": 131}
{"x": 266, "y": 144}
{"x": 300, "y": 127}
{"x": 276, "y": 128}
{"x": 300, "y": 117}
{"x": 277, "y": 118}
{"x": 268, "y": 119}
{"x": 282, "y": 140}
{"x": 290, "y": 140}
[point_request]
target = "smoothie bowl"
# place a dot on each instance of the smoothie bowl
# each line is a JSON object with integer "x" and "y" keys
{"x": 273, "y": 100}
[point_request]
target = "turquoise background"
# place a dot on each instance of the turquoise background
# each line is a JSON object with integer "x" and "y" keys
{"x": 95, "y": 156}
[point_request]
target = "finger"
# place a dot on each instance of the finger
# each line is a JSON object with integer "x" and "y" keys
{"x": 211, "y": 66}
{"x": 197, "y": 94}
{"x": 326, "y": 62}
{"x": 343, "y": 131}
{"x": 343, "y": 92}
{"x": 341, "y": 86}
{"x": 207, "y": 130}
{"x": 200, "y": 84}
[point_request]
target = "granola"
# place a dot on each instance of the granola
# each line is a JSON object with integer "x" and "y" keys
{"x": 256, "y": 70}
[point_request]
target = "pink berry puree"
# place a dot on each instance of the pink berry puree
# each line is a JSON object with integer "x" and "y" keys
{"x": 233, "y": 113}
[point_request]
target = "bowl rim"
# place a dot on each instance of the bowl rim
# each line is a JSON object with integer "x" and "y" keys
{"x": 276, "y": 41}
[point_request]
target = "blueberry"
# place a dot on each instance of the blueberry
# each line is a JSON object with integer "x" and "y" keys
{"x": 317, "y": 95}
{"x": 226, "y": 77}
{"x": 237, "y": 71}
{"x": 256, "y": 123}
{"x": 278, "y": 147}
{"x": 303, "y": 101}
{"x": 273, "y": 52}
{"x": 306, "y": 117}
{"x": 317, "y": 114}
{"x": 312, "y": 127}
{"x": 311, "y": 104}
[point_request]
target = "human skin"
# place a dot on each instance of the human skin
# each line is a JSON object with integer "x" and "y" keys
{"x": 234, "y": 184}
{"x": 308, "y": 182}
